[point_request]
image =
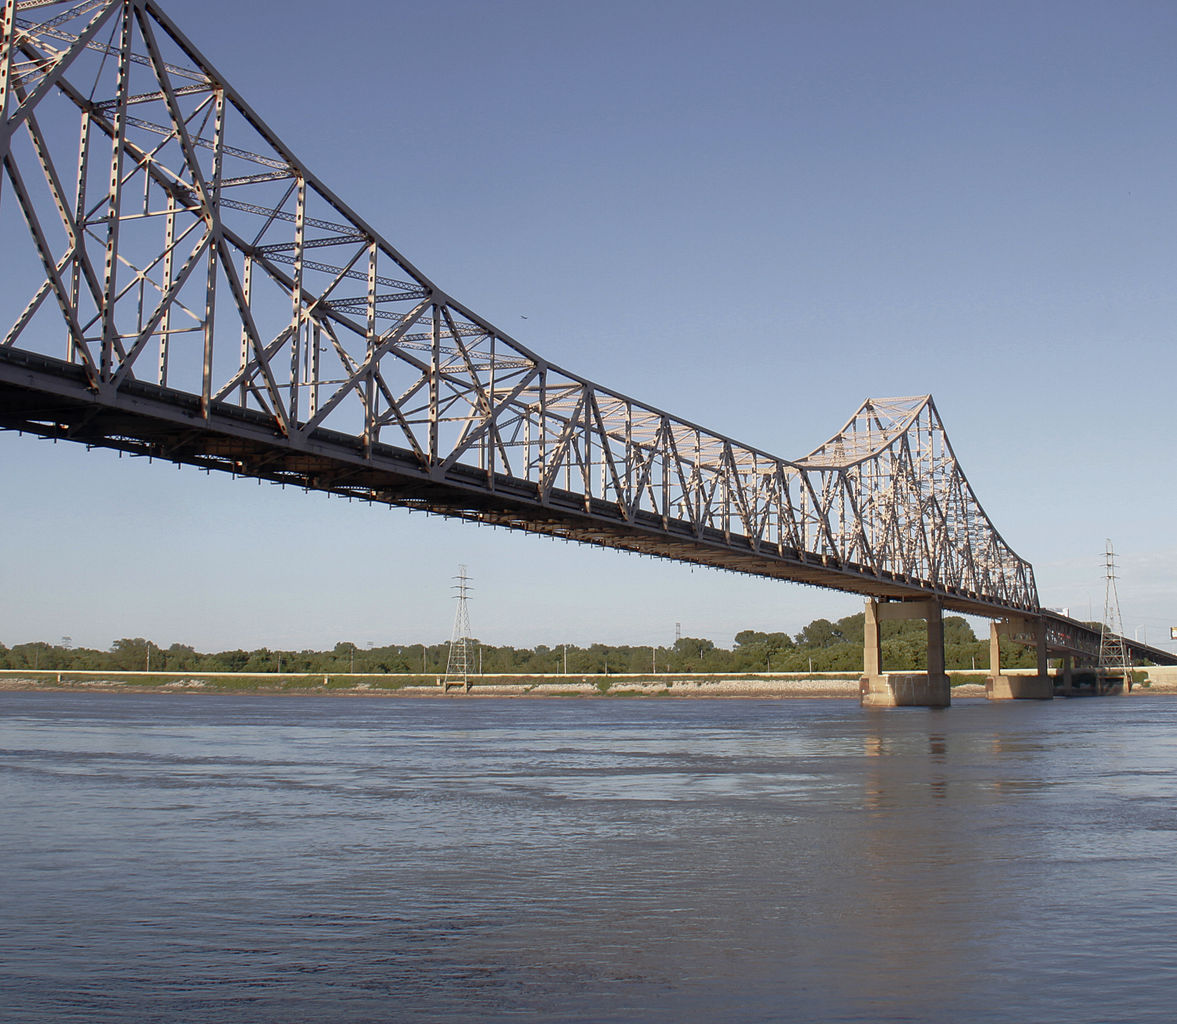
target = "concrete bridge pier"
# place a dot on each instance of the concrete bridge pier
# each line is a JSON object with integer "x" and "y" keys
{"x": 1067, "y": 687}
{"x": 879, "y": 689}
{"x": 1008, "y": 687}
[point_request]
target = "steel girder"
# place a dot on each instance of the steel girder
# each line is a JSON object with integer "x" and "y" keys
{"x": 177, "y": 283}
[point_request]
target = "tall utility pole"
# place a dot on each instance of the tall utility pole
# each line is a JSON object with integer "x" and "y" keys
{"x": 1113, "y": 652}
{"x": 457, "y": 671}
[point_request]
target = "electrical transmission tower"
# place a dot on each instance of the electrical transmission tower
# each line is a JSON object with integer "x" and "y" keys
{"x": 1113, "y": 652}
{"x": 457, "y": 670}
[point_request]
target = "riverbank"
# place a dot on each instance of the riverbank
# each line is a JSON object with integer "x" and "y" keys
{"x": 760, "y": 685}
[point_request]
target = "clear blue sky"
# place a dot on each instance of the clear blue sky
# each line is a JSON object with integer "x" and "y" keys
{"x": 754, "y": 215}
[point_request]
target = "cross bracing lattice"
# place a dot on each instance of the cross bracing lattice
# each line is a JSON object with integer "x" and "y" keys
{"x": 189, "y": 290}
{"x": 459, "y": 664}
{"x": 1113, "y": 647}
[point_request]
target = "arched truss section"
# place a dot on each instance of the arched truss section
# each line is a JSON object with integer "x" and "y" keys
{"x": 898, "y": 500}
{"x": 195, "y": 293}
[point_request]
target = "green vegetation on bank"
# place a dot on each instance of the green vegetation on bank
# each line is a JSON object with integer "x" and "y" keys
{"x": 822, "y": 646}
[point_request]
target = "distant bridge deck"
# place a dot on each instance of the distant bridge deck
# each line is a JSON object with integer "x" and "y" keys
{"x": 1067, "y": 636}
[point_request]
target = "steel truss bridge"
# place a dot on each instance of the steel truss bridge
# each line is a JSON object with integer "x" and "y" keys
{"x": 178, "y": 285}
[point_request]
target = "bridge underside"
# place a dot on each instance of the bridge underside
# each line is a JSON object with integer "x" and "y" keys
{"x": 53, "y": 399}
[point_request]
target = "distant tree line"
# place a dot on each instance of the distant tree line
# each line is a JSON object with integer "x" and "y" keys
{"x": 822, "y": 646}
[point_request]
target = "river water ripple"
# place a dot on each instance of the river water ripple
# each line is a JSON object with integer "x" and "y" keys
{"x": 245, "y": 859}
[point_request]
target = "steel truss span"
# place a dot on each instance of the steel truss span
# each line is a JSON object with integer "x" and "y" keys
{"x": 177, "y": 284}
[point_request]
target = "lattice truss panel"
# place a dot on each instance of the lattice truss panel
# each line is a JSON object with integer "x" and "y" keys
{"x": 155, "y": 230}
{"x": 894, "y": 498}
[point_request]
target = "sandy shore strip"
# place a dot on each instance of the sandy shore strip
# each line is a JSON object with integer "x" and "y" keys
{"x": 811, "y": 687}
{"x": 540, "y": 687}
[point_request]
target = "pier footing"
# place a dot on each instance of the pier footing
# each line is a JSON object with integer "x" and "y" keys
{"x": 1019, "y": 688}
{"x": 904, "y": 690}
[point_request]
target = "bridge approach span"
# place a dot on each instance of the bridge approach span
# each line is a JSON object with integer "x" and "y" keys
{"x": 1081, "y": 641}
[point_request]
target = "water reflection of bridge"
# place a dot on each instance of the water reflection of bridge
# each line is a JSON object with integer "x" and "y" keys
{"x": 182, "y": 287}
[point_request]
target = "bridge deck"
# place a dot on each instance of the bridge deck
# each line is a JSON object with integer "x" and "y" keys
{"x": 51, "y": 398}
{"x": 1069, "y": 636}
